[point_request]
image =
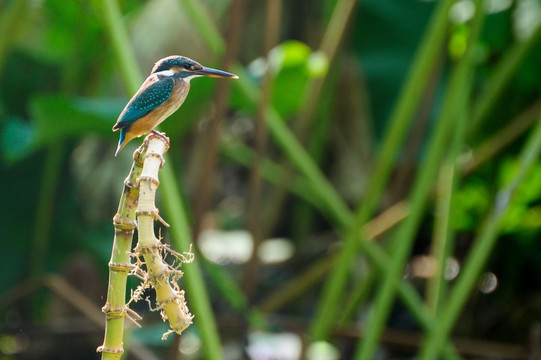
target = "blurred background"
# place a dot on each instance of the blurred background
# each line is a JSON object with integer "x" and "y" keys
{"x": 363, "y": 190}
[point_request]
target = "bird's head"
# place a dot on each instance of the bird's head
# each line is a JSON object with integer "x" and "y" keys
{"x": 185, "y": 68}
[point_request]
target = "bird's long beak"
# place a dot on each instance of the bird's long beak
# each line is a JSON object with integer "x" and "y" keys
{"x": 205, "y": 71}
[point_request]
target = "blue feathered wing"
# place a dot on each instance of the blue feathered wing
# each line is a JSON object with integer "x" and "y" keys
{"x": 144, "y": 102}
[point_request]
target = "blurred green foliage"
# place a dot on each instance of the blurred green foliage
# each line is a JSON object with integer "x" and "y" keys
{"x": 61, "y": 92}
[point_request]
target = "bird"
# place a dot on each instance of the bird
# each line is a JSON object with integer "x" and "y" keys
{"x": 160, "y": 95}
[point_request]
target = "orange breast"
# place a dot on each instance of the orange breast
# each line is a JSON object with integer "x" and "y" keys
{"x": 162, "y": 112}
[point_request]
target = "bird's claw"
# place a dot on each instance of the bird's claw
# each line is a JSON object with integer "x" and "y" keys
{"x": 160, "y": 135}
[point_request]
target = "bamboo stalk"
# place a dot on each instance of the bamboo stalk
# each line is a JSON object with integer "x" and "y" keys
{"x": 120, "y": 264}
{"x": 173, "y": 200}
{"x": 161, "y": 276}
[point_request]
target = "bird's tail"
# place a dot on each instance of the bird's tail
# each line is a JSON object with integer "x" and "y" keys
{"x": 121, "y": 142}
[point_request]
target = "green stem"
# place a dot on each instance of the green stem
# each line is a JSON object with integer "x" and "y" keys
{"x": 497, "y": 83}
{"x": 120, "y": 265}
{"x": 10, "y": 21}
{"x": 404, "y": 237}
{"x": 407, "y": 292}
{"x": 396, "y": 129}
{"x": 330, "y": 43}
{"x": 442, "y": 237}
{"x": 205, "y": 25}
{"x": 442, "y": 242}
{"x": 358, "y": 296}
{"x": 330, "y": 200}
{"x": 503, "y": 137}
{"x": 333, "y": 204}
{"x": 44, "y": 219}
{"x": 51, "y": 172}
{"x": 270, "y": 171}
{"x": 120, "y": 42}
{"x": 480, "y": 252}
{"x": 196, "y": 292}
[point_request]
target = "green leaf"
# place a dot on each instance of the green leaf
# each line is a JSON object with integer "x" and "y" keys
{"x": 289, "y": 61}
{"x": 58, "y": 117}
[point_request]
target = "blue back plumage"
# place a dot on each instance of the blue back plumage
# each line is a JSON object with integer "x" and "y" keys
{"x": 150, "y": 98}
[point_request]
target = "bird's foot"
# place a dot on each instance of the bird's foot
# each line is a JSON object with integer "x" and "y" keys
{"x": 157, "y": 133}
{"x": 160, "y": 135}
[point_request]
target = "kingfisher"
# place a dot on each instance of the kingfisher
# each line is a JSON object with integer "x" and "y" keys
{"x": 162, "y": 93}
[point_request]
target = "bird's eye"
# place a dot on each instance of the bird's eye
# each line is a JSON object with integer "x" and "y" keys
{"x": 192, "y": 67}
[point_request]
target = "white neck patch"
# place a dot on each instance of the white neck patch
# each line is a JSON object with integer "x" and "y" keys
{"x": 165, "y": 73}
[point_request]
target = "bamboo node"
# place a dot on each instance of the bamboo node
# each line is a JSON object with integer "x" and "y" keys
{"x": 130, "y": 184}
{"x": 149, "y": 179}
{"x": 156, "y": 155}
{"x": 146, "y": 248}
{"x": 138, "y": 153}
{"x": 110, "y": 350}
{"x": 161, "y": 136}
{"x": 122, "y": 224}
{"x": 117, "y": 267}
{"x": 170, "y": 300}
{"x": 112, "y": 312}
{"x": 114, "y": 316}
{"x": 161, "y": 278}
{"x": 152, "y": 212}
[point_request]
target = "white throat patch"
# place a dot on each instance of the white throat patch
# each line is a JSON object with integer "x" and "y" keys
{"x": 188, "y": 78}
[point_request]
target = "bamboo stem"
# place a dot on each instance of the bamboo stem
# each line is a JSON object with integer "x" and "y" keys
{"x": 169, "y": 297}
{"x": 172, "y": 199}
{"x": 120, "y": 264}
